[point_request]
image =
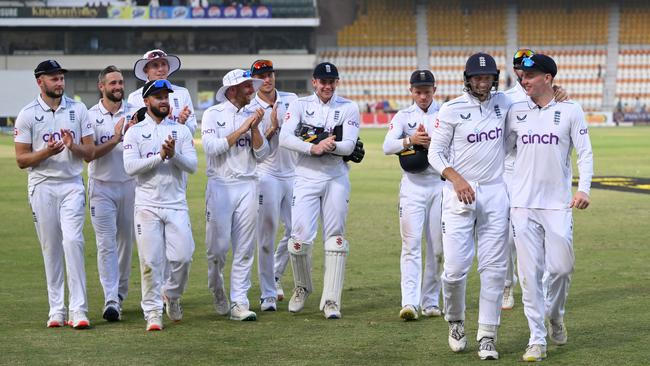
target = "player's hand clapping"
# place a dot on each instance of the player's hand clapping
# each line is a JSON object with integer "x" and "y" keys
{"x": 256, "y": 118}
{"x": 421, "y": 137}
{"x": 168, "y": 148}
{"x": 184, "y": 115}
{"x": 54, "y": 147}
{"x": 118, "y": 130}
{"x": 67, "y": 138}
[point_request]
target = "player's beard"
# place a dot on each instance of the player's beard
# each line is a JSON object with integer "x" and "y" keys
{"x": 158, "y": 112}
{"x": 241, "y": 98}
{"x": 115, "y": 96}
{"x": 53, "y": 93}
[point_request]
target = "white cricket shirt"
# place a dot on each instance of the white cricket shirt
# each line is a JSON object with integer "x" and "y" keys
{"x": 177, "y": 101}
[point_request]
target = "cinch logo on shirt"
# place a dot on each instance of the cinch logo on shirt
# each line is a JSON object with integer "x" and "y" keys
{"x": 105, "y": 138}
{"x": 583, "y": 131}
{"x": 244, "y": 142}
{"x": 545, "y": 139}
{"x": 208, "y": 131}
{"x": 485, "y": 136}
{"x": 152, "y": 153}
{"x": 56, "y": 136}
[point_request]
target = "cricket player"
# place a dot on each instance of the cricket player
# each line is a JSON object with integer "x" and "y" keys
{"x": 159, "y": 152}
{"x": 323, "y": 128}
{"x": 52, "y": 138}
{"x": 233, "y": 144}
{"x": 516, "y": 93}
{"x": 545, "y": 132}
{"x": 475, "y": 200}
{"x": 111, "y": 192}
{"x": 155, "y": 65}
{"x": 276, "y": 173}
{"x": 420, "y": 199}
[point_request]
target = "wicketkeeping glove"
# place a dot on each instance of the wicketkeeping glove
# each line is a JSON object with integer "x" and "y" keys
{"x": 358, "y": 153}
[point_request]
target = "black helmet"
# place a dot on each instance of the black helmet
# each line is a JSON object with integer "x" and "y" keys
{"x": 481, "y": 64}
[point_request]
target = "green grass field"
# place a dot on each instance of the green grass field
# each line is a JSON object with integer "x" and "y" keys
{"x": 607, "y": 312}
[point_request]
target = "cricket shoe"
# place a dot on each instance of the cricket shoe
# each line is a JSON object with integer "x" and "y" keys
{"x": 457, "y": 339}
{"x": 331, "y": 310}
{"x": 56, "y": 320}
{"x": 241, "y": 313}
{"x": 409, "y": 312}
{"x": 297, "y": 301}
{"x": 557, "y": 332}
{"x": 221, "y": 305}
{"x": 534, "y": 353}
{"x": 173, "y": 308}
{"x": 431, "y": 311}
{"x": 154, "y": 321}
{"x": 78, "y": 320}
{"x": 487, "y": 350}
{"x": 278, "y": 289}
{"x": 508, "y": 298}
{"x": 268, "y": 304}
{"x": 112, "y": 311}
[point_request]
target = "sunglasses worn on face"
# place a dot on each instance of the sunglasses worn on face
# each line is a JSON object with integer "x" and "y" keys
{"x": 261, "y": 64}
{"x": 524, "y": 53}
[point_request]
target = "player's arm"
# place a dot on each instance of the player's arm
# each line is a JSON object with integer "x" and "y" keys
{"x": 261, "y": 148}
{"x": 510, "y": 136}
{"x": 288, "y": 139}
{"x": 394, "y": 142}
{"x": 580, "y": 139}
{"x": 26, "y": 158}
{"x": 188, "y": 114}
{"x": 212, "y": 143}
{"x": 184, "y": 158}
{"x": 106, "y": 147}
{"x": 441, "y": 138}
{"x": 133, "y": 163}
{"x": 350, "y": 132}
{"x": 274, "y": 127}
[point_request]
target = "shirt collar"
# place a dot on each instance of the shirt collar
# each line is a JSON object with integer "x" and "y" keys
{"x": 533, "y": 105}
{"x": 329, "y": 102}
{"x": 264, "y": 104}
{"x": 105, "y": 111}
{"x": 46, "y": 107}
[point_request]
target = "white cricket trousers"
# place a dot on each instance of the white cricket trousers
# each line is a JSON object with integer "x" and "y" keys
{"x": 488, "y": 222}
{"x": 112, "y": 213}
{"x": 511, "y": 250}
{"x": 163, "y": 233}
{"x": 58, "y": 213}
{"x": 231, "y": 216}
{"x": 420, "y": 205}
{"x": 274, "y": 205}
{"x": 312, "y": 198}
{"x": 544, "y": 240}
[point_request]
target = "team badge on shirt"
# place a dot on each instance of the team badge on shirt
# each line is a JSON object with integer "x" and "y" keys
{"x": 556, "y": 118}
{"x": 497, "y": 110}
{"x": 72, "y": 116}
{"x": 337, "y": 114}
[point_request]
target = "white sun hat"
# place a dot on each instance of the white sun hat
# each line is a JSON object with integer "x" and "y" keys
{"x": 173, "y": 61}
{"x": 233, "y": 78}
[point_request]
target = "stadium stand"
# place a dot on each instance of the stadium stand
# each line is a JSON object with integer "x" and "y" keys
{"x": 466, "y": 23}
{"x": 387, "y": 23}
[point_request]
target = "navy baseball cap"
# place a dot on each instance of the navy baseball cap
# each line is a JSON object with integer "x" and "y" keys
{"x": 156, "y": 86}
{"x": 261, "y": 67}
{"x": 481, "y": 64}
{"x": 541, "y": 63}
{"x": 422, "y": 78}
{"x": 326, "y": 70}
{"x": 48, "y": 67}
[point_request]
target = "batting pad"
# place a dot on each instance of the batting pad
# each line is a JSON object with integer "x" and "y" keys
{"x": 300, "y": 254}
{"x": 336, "y": 252}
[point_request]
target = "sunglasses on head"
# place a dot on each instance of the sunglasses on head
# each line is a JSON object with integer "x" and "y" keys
{"x": 528, "y": 62}
{"x": 524, "y": 53}
{"x": 156, "y": 54}
{"x": 262, "y": 64}
{"x": 159, "y": 84}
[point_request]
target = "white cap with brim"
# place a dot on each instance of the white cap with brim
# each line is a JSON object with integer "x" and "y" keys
{"x": 233, "y": 78}
{"x": 173, "y": 61}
